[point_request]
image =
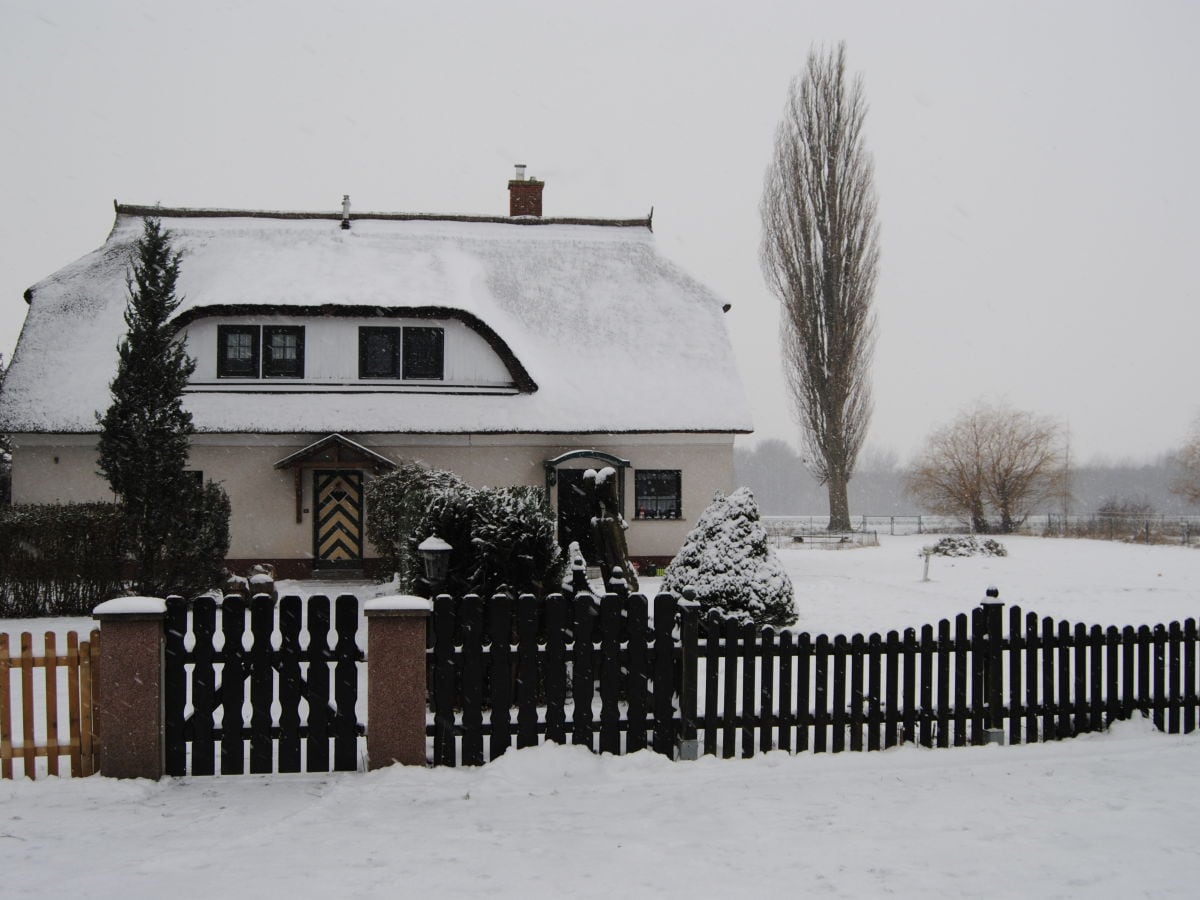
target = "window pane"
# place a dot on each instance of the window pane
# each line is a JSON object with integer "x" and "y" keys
{"x": 423, "y": 352}
{"x": 377, "y": 352}
{"x": 657, "y": 494}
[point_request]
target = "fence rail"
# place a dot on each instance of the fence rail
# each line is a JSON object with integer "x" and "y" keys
{"x": 76, "y": 667}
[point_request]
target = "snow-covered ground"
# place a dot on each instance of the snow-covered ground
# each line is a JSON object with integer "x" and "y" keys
{"x": 1102, "y": 816}
{"x": 1111, "y": 815}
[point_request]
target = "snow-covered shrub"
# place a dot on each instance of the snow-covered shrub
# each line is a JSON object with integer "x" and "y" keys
{"x": 500, "y": 536}
{"x": 965, "y": 545}
{"x": 727, "y": 561}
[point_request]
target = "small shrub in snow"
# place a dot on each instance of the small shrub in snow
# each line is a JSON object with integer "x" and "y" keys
{"x": 966, "y": 545}
{"x": 501, "y": 537}
{"x": 727, "y": 561}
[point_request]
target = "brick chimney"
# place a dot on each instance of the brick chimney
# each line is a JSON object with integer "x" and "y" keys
{"x": 525, "y": 194}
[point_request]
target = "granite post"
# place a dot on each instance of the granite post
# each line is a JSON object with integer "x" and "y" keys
{"x": 129, "y": 696}
{"x": 396, "y": 680}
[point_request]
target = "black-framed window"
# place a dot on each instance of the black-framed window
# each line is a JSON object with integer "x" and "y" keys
{"x": 237, "y": 351}
{"x": 413, "y": 352}
{"x": 657, "y": 494}
{"x": 378, "y": 352}
{"x": 283, "y": 351}
{"x": 424, "y": 353}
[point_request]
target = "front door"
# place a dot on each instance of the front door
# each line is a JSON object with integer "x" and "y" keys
{"x": 575, "y": 514}
{"x": 337, "y": 523}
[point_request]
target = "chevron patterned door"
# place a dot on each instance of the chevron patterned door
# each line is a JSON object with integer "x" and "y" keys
{"x": 337, "y": 525}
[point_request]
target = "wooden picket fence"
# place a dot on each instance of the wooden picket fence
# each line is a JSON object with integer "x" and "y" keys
{"x": 78, "y": 666}
{"x": 578, "y": 669}
{"x": 296, "y": 709}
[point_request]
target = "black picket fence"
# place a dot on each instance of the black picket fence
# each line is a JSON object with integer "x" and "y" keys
{"x": 575, "y": 670}
{"x": 208, "y": 663}
{"x": 592, "y": 671}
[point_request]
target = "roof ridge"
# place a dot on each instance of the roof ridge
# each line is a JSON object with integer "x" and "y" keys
{"x": 166, "y": 212}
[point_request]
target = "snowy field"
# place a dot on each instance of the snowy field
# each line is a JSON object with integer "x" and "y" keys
{"x": 1111, "y": 815}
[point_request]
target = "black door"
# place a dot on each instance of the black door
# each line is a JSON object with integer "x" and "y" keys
{"x": 575, "y": 513}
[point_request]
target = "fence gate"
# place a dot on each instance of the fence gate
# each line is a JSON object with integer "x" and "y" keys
{"x": 65, "y": 686}
{"x": 210, "y": 680}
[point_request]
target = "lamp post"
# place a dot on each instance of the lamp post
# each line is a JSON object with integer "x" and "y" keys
{"x": 435, "y": 555}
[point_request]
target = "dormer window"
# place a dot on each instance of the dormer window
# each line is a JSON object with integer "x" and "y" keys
{"x": 283, "y": 351}
{"x": 412, "y": 352}
{"x": 260, "y": 351}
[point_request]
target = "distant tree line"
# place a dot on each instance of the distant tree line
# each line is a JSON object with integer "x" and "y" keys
{"x": 773, "y": 469}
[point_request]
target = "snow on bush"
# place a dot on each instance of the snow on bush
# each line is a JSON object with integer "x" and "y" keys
{"x": 727, "y": 561}
{"x": 967, "y": 545}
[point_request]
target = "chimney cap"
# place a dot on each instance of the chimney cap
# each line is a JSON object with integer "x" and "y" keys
{"x": 520, "y": 167}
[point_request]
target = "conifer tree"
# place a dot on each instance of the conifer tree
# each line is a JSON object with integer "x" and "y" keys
{"x": 728, "y": 562}
{"x": 144, "y": 435}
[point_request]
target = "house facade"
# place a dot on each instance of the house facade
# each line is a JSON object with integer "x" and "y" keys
{"x": 509, "y": 350}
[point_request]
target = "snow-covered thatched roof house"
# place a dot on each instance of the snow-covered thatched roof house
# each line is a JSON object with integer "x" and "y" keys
{"x": 511, "y": 350}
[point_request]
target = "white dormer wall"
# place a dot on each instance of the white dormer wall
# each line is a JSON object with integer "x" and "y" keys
{"x": 331, "y": 351}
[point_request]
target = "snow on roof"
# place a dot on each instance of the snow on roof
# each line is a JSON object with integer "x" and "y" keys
{"x": 616, "y": 338}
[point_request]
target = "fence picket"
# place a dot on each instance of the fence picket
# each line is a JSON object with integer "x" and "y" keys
{"x": 1096, "y": 676}
{"x": 610, "y": 673}
{"x": 1160, "y": 677}
{"x": 50, "y": 673}
{"x": 28, "y": 745}
{"x": 470, "y": 626}
{"x": 6, "y": 742}
{"x": 581, "y": 681}
{"x": 1015, "y": 694}
{"x": 317, "y": 745}
{"x": 747, "y": 634}
{"x": 290, "y": 684}
{"x": 979, "y": 645}
{"x": 664, "y": 675}
{"x": 766, "y": 694}
{"x": 874, "y": 698}
{"x": 729, "y": 688}
{"x": 500, "y": 674}
{"x": 786, "y": 692}
{"x": 820, "y": 741}
{"x": 637, "y": 680}
{"x": 527, "y": 671}
{"x": 1032, "y": 646}
{"x": 1189, "y": 676}
{"x": 262, "y": 688}
{"x": 204, "y": 686}
{"x": 1080, "y": 643}
{"x": 803, "y": 715}
{"x": 1174, "y": 636}
{"x": 943, "y": 683}
{"x": 345, "y": 685}
{"x": 925, "y": 711}
{"x": 712, "y": 625}
{"x": 1112, "y": 672}
{"x": 960, "y": 680}
{"x": 1065, "y": 725}
{"x": 689, "y": 636}
{"x": 857, "y": 698}
{"x": 1049, "y": 728}
{"x": 838, "y": 698}
{"x": 233, "y": 686}
{"x": 73, "y": 710}
{"x": 891, "y": 716}
{"x": 910, "y": 686}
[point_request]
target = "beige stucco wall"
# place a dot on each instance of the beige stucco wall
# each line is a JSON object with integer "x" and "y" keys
{"x": 60, "y": 469}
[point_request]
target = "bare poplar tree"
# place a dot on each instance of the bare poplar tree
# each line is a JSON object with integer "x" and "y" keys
{"x": 819, "y": 253}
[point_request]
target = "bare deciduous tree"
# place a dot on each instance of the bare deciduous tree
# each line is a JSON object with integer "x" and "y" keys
{"x": 990, "y": 462}
{"x": 1186, "y": 481}
{"x": 819, "y": 256}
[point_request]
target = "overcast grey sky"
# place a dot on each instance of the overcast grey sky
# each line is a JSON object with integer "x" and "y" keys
{"x": 1036, "y": 163}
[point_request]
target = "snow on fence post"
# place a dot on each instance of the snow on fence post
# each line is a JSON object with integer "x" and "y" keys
{"x": 396, "y": 680}
{"x": 129, "y": 688}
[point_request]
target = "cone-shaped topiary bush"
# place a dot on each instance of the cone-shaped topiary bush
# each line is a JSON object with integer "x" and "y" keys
{"x": 728, "y": 562}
